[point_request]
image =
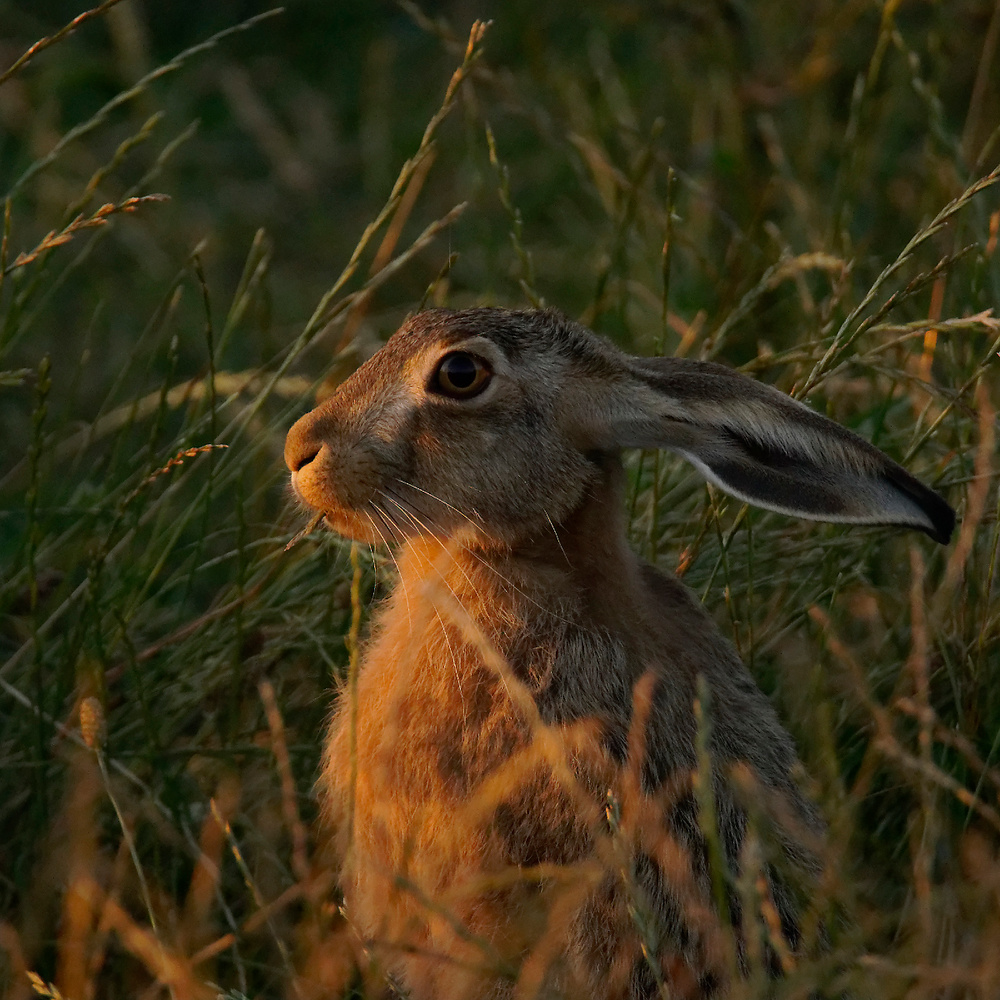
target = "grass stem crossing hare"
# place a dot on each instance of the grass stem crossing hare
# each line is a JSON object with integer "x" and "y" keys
{"x": 520, "y": 791}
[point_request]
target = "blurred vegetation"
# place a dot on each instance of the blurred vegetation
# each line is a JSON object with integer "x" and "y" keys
{"x": 789, "y": 188}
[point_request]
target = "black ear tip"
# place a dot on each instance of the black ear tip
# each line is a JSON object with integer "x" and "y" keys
{"x": 939, "y": 513}
{"x": 942, "y": 518}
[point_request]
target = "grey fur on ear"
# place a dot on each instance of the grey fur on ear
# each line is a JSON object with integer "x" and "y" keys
{"x": 764, "y": 447}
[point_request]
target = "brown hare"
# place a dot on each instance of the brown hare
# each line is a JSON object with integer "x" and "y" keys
{"x": 519, "y": 787}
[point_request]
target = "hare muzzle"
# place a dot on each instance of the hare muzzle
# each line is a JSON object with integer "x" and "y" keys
{"x": 331, "y": 472}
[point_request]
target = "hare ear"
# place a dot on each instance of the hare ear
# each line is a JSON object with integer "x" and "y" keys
{"x": 762, "y": 446}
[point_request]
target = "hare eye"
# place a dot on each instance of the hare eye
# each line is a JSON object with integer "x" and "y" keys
{"x": 461, "y": 375}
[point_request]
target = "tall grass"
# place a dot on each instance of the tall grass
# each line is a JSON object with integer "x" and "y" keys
{"x": 805, "y": 192}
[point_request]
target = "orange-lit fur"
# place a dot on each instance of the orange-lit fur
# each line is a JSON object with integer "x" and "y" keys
{"x": 434, "y": 722}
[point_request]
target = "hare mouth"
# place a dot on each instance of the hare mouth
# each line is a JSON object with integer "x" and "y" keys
{"x": 391, "y": 516}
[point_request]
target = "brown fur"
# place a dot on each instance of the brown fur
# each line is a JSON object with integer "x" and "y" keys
{"x": 523, "y": 817}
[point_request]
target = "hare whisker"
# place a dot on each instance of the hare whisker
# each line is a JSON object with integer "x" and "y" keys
{"x": 454, "y": 664}
{"x": 387, "y": 521}
{"x": 391, "y": 528}
{"x": 491, "y": 566}
{"x": 441, "y": 501}
{"x": 557, "y": 538}
{"x": 408, "y": 511}
{"x": 374, "y": 559}
{"x": 420, "y": 525}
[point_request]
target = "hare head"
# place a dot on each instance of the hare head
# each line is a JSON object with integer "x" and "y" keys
{"x": 493, "y": 424}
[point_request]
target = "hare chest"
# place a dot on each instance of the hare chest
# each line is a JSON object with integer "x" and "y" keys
{"x": 466, "y": 810}
{"x": 493, "y": 814}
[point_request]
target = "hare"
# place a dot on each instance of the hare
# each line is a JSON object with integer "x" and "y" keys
{"x": 518, "y": 788}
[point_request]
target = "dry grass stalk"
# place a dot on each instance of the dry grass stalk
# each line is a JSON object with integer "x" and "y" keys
{"x": 923, "y": 834}
{"x": 44, "y": 43}
{"x": 166, "y": 966}
{"x": 17, "y": 987}
{"x": 945, "y": 946}
{"x": 195, "y": 927}
{"x": 98, "y": 218}
{"x": 383, "y": 255}
{"x": 885, "y": 740}
{"x": 248, "y": 879}
{"x": 289, "y": 806}
{"x": 90, "y": 909}
{"x": 926, "y": 716}
{"x": 978, "y": 494}
{"x": 43, "y": 989}
{"x": 82, "y": 900}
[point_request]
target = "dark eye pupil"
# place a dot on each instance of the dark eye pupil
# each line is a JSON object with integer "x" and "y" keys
{"x": 460, "y": 375}
{"x": 460, "y": 370}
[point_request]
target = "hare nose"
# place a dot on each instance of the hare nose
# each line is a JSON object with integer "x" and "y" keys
{"x": 302, "y": 444}
{"x": 303, "y": 459}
